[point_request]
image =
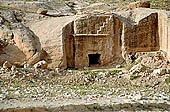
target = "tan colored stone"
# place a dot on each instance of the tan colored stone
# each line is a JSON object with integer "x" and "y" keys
{"x": 51, "y": 36}
{"x": 28, "y": 43}
{"x": 96, "y": 8}
{"x": 98, "y": 36}
{"x": 139, "y": 4}
{"x": 164, "y": 29}
{"x": 7, "y": 65}
{"x": 42, "y": 11}
{"x": 41, "y": 64}
{"x": 69, "y": 43}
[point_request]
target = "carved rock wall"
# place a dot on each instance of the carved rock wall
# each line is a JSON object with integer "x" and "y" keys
{"x": 164, "y": 31}
{"x": 97, "y": 35}
{"x": 51, "y": 35}
{"x": 143, "y": 36}
{"x": 69, "y": 41}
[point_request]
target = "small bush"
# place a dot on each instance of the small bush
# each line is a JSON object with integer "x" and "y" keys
{"x": 167, "y": 80}
{"x": 113, "y": 72}
{"x": 132, "y": 77}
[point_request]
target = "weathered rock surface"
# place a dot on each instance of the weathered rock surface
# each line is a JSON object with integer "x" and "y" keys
{"x": 137, "y": 32}
{"x": 42, "y": 11}
{"x": 28, "y": 43}
{"x": 51, "y": 37}
{"x": 41, "y": 64}
{"x": 139, "y": 4}
{"x": 18, "y": 43}
{"x": 96, "y": 8}
{"x": 52, "y": 7}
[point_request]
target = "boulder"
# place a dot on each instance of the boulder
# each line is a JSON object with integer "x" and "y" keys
{"x": 161, "y": 71}
{"x": 57, "y": 70}
{"x": 1, "y": 20}
{"x": 137, "y": 69}
{"x": 42, "y": 11}
{"x": 138, "y": 4}
{"x": 51, "y": 37}
{"x": 13, "y": 68}
{"x": 41, "y": 64}
{"x": 28, "y": 43}
{"x": 7, "y": 65}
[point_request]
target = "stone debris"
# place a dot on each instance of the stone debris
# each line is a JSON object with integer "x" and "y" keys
{"x": 13, "y": 68}
{"x": 139, "y": 4}
{"x": 159, "y": 71}
{"x": 1, "y": 20}
{"x": 26, "y": 66}
{"x": 118, "y": 66}
{"x": 57, "y": 70}
{"x": 86, "y": 84}
{"x": 7, "y": 65}
{"x": 41, "y": 64}
{"x": 42, "y": 11}
{"x": 137, "y": 69}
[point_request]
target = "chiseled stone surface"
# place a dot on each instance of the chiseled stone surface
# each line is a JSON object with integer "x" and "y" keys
{"x": 164, "y": 29}
{"x": 143, "y": 36}
{"x": 51, "y": 38}
{"x": 69, "y": 42}
{"x": 102, "y": 37}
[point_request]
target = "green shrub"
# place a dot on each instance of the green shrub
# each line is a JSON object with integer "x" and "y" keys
{"x": 167, "y": 80}
{"x": 132, "y": 77}
{"x": 113, "y": 72}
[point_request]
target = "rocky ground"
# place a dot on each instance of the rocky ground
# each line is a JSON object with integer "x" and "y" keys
{"x": 143, "y": 84}
{"x": 134, "y": 87}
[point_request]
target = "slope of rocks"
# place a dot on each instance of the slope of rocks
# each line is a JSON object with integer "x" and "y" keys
{"x": 71, "y": 89}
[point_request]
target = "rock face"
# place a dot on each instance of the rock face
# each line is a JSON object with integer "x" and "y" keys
{"x": 28, "y": 43}
{"x": 100, "y": 40}
{"x": 140, "y": 33}
{"x": 97, "y": 41}
{"x": 18, "y": 43}
{"x": 164, "y": 29}
{"x": 51, "y": 37}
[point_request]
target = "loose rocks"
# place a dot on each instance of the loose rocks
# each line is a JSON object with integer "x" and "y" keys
{"x": 144, "y": 4}
{"x": 42, "y": 11}
{"x": 41, "y": 64}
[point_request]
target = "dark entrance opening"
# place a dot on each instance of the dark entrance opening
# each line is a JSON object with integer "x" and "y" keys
{"x": 94, "y": 59}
